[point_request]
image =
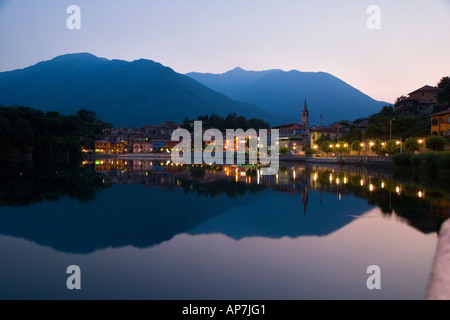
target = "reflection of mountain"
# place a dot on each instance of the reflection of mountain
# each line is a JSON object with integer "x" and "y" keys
{"x": 145, "y": 208}
{"x": 120, "y": 216}
{"x": 280, "y": 215}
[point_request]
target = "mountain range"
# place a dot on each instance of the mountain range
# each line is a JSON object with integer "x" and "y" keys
{"x": 123, "y": 93}
{"x": 282, "y": 92}
{"x": 145, "y": 92}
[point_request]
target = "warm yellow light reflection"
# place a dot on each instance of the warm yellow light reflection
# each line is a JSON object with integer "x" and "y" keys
{"x": 315, "y": 176}
{"x": 382, "y": 185}
{"x": 371, "y": 187}
{"x": 337, "y": 181}
{"x": 345, "y": 180}
{"x": 397, "y": 189}
{"x": 362, "y": 182}
{"x": 420, "y": 194}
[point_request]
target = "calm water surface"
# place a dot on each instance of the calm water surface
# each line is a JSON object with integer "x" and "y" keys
{"x": 151, "y": 230}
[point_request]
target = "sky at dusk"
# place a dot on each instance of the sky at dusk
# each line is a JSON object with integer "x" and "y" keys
{"x": 411, "y": 49}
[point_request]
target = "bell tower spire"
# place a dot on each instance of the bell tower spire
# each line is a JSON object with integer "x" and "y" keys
{"x": 305, "y": 116}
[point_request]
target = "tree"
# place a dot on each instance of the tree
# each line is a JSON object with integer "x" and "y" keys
{"x": 435, "y": 143}
{"x": 323, "y": 139}
{"x": 444, "y": 95}
{"x": 356, "y": 146}
{"x": 186, "y": 124}
{"x": 399, "y": 99}
{"x": 88, "y": 116}
{"x": 325, "y": 146}
{"x": 392, "y": 147}
{"x": 378, "y": 147}
{"x": 357, "y": 135}
{"x": 373, "y": 132}
{"x": 411, "y": 145}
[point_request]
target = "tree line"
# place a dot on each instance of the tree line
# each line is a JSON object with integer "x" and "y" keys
{"x": 232, "y": 121}
{"x": 31, "y": 133}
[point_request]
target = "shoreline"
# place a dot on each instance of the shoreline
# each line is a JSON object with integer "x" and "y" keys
{"x": 362, "y": 161}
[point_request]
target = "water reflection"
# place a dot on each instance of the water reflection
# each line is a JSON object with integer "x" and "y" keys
{"x": 115, "y": 203}
{"x": 163, "y": 231}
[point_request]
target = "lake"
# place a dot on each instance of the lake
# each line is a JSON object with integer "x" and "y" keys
{"x": 141, "y": 229}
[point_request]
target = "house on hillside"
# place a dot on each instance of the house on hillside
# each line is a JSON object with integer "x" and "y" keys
{"x": 440, "y": 123}
{"x": 419, "y": 102}
{"x": 333, "y": 133}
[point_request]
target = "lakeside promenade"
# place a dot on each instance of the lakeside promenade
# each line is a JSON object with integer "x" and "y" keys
{"x": 369, "y": 161}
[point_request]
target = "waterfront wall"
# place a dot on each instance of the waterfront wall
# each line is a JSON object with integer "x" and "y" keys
{"x": 373, "y": 161}
{"x": 439, "y": 288}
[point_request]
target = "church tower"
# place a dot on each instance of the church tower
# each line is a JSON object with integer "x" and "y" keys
{"x": 305, "y": 116}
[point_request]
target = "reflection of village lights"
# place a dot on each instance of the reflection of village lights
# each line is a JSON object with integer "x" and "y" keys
{"x": 345, "y": 180}
{"x": 337, "y": 181}
{"x": 362, "y": 182}
{"x": 293, "y": 174}
{"x": 397, "y": 189}
{"x": 371, "y": 187}
{"x": 382, "y": 185}
{"x": 315, "y": 176}
{"x": 420, "y": 194}
{"x": 331, "y": 178}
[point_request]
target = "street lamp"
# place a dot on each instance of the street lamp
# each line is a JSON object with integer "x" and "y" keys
{"x": 401, "y": 146}
{"x": 390, "y": 129}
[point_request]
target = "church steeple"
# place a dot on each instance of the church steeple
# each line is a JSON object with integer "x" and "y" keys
{"x": 305, "y": 116}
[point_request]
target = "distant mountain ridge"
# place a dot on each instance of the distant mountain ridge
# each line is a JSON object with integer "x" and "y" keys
{"x": 124, "y": 93}
{"x": 282, "y": 92}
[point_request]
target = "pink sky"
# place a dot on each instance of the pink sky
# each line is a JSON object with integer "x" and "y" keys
{"x": 410, "y": 50}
